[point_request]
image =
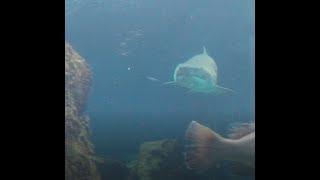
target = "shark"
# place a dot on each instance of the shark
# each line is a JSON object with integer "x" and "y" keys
{"x": 199, "y": 74}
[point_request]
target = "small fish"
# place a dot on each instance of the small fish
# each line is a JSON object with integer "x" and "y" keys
{"x": 138, "y": 34}
{"x": 124, "y": 53}
{"x": 206, "y": 148}
{"x": 152, "y": 78}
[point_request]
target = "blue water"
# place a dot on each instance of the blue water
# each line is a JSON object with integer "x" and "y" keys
{"x": 124, "y": 41}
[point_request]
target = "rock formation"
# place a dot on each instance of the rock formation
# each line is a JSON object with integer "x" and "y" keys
{"x": 80, "y": 163}
{"x": 159, "y": 160}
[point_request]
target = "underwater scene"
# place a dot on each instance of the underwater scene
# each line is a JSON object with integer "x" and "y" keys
{"x": 159, "y": 90}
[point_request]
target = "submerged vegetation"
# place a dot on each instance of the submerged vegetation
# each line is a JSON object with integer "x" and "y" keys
{"x": 157, "y": 159}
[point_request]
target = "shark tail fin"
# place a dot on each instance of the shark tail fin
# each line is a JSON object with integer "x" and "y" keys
{"x": 204, "y": 148}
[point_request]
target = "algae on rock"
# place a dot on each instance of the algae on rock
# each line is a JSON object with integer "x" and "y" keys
{"x": 79, "y": 164}
{"x": 159, "y": 160}
{"x": 164, "y": 160}
{"x": 113, "y": 170}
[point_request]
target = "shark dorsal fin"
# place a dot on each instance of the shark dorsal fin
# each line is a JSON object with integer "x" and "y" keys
{"x": 205, "y": 50}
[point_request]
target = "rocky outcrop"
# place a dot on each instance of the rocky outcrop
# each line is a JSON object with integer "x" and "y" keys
{"x": 164, "y": 160}
{"x": 80, "y": 163}
{"x": 159, "y": 160}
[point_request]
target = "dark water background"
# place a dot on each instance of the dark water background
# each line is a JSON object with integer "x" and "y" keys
{"x": 151, "y": 37}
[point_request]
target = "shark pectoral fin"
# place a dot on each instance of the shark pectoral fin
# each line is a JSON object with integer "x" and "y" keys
{"x": 169, "y": 83}
{"x": 218, "y": 90}
{"x": 191, "y": 91}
